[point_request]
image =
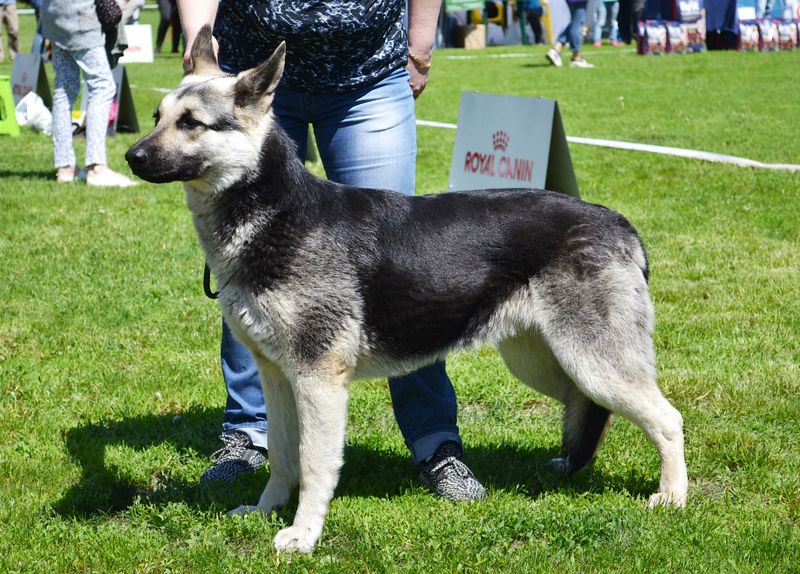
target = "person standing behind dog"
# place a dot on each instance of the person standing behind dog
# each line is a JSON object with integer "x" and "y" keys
{"x": 78, "y": 44}
{"x": 353, "y": 76}
{"x": 533, "y": 12}
{"x": 10, "y": 21}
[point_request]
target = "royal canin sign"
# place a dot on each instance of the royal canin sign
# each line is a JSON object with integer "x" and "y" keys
{"x": 497, "y": 163}
{"x": 506, "y": 142}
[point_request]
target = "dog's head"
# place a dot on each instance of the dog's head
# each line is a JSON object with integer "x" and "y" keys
{"x": 210, "y": 129}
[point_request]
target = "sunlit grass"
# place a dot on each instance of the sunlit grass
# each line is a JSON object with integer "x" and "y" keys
{"x": 111, "y": 398}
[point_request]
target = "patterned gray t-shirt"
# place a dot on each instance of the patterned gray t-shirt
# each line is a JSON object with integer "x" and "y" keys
{"x": 332, "y": 45}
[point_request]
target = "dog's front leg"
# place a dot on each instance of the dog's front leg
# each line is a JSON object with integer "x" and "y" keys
{"x": 321, "y": 398}
{"x": 284, "y": 467}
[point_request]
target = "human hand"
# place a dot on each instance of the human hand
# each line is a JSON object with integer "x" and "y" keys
{"x": 418, "y": 67}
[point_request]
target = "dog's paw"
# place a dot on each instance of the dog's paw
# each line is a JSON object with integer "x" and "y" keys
{"x": 295, "y": 539}
{"x": 560, "y": 465}
{"x": 667, "y": 499}
{"x": 242, "y": 510}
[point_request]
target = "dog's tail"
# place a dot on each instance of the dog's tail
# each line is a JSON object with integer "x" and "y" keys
{"x": 585, "y": 424}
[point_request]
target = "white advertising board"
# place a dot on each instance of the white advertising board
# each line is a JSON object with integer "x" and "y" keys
{"x": 140, "y": 44}
{"x": 510, "y": 142}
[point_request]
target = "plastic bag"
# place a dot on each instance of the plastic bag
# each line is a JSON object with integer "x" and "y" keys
{"x": 31, "y": 111}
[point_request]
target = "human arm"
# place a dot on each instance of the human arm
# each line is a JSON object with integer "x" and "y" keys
{"x": 423, "y": 17}
{"x": 194, "y": 15}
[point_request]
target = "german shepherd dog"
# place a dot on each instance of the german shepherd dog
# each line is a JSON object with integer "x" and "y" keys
{"x": 326, "y": 283}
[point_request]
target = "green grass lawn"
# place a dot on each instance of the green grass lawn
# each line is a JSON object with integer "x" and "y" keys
{"x": 111, "y": 397}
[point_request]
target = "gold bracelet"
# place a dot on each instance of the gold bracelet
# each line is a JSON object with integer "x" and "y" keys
{"x": 420, "y": 63}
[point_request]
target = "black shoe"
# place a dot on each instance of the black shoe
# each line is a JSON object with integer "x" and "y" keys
{"x": 448, "y": 477}
{"x": 237, "y": 456}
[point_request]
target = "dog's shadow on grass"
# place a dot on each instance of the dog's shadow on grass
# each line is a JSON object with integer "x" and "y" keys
{"x": 105, "y": 488}
{"x": 27, "y": 174}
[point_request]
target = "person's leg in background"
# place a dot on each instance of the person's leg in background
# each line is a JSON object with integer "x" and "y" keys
{"x": 177, "y": 30}
{"x": 575, "y": 32}
{"x": 598, "y": 22}
{"x": 553, "y": 55}
{"x": 67, "y": 84}
{"x": 534, "y": 16}
{"x": 100, "y": 91}
{"x": 624, "y": 21}
{"x": 613, "y": 34}
{"x": 637, "y": 14}
{"x": 10, "y": 21}
{"x": 165, "y": 15}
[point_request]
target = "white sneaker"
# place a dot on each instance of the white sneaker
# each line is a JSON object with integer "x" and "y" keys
{"x": 66, "y": 175}
{"x": 554, "y": 57}
{"x": 580, "y": 63}
{"x": 108, "y": 178}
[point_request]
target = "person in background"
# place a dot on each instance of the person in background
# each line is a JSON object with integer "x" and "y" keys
{"x": 533, "y": 13}
{"x": 352, "y": 72}
{"x": 10, "y": 21}
{"x": 604, "y": 15}
{"x": 630, "y": 13}
{"x": 572, "y": 34}
{"x": 78, "y": 44}
{"x": 169, "y": 17}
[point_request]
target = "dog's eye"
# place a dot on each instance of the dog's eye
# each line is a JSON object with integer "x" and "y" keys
{"x": 188, "y": 122}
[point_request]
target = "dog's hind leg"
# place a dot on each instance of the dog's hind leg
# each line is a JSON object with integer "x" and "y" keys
{"x": 641, "y": 402}
{"x": 283, "y": 455}
{"x": 612, "y": 363}
{"x": 321, "y": 398}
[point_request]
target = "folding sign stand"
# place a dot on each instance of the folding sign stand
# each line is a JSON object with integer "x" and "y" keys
{"x": 28, "y": 75}
{"x": 126, "y": 120}
{"x": 511, "y": 142}
{"x": 560, "y": 173}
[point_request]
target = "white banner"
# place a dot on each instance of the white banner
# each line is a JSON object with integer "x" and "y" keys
{"x": 140, "y": 44}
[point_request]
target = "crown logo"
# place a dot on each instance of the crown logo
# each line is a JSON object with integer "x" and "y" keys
{"x": 500, "y": 140}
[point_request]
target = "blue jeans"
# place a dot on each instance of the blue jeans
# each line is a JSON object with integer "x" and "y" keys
{"x": 605, "y": 13}
{"x": 366, "y": 138}
{"x": 573, "y": 32}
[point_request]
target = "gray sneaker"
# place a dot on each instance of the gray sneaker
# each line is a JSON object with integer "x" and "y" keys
{"x": 237, "y": 456}
{"x": 450, "y": 478}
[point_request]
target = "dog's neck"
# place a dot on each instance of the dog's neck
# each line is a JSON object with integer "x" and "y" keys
{"x": 227, "y": 219}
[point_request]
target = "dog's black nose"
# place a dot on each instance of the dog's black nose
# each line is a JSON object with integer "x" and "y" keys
{"x": 136, "y": 156}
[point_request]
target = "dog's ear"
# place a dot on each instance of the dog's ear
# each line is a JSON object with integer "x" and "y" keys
{"x": 253, "y": 85}
{"x": 203, "y": 60}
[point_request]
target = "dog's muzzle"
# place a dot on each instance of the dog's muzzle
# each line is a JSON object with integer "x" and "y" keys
{"x": 138, "y": 158}
{"x": 158, "y": 168}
